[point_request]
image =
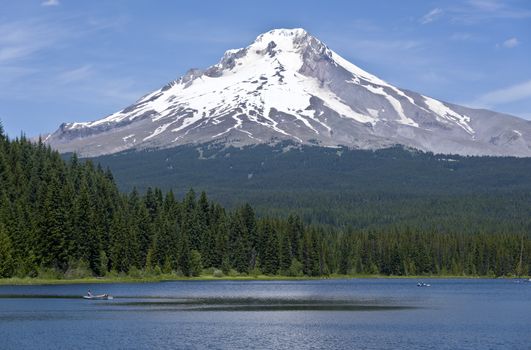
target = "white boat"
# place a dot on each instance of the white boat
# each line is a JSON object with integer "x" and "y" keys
{"x": 98, "y": 297}
{"x": 422, "y": 284}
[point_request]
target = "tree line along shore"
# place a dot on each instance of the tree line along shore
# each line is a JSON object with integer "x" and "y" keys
{"x": 68, "y": 220}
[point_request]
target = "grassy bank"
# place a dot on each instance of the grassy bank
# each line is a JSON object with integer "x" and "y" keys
{"x": 170, "y": 277}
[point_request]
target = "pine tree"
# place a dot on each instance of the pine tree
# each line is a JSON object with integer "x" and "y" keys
{"x": 203, "y": 227}
{"x": 310, "y": 254}
{"x": 6, "y": 255}
{"x": 165, "y": 243}
{"x": 208, "y": 248}
{"x": 219, "y": 229}
{"x": 123, "y": 243}
{"x": 285, "y": 253}
{"x": 249, "y": 220}
{"x": 184, "y": 253}
{"x": 52, "y": 246}
{"x": 269, "y": 263}
{"x": 195, "y": 263}
{"x": 295, "y": 233}
{"x": 151, "y": 203}
{"x": 140, "y": 218}
{"x": 344, "y": 255}
{"x": 238, "y": 245}
{"x": 86, "y": 243}
{"x": 191, "y": 221}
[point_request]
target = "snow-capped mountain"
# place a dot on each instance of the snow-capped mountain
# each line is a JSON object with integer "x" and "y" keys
{"x": 289, "y": 85}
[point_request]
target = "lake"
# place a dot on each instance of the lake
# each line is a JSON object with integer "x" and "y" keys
{"x": 315, "y": 314}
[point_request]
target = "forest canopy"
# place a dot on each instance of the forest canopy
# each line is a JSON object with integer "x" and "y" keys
{"x": 70, "y": 219}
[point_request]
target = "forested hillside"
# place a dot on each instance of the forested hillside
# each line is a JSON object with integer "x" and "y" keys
{"x": 67, "y": 218}
{"x": 357, "y": 188}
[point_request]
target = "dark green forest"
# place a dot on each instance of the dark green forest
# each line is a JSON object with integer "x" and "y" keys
{"x": 343, "y": 187}
{"x": 68, "y": 218}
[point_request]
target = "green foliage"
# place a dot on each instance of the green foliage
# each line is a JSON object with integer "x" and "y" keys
{"x": 134, "y": 272}
{"x": 157, "y": 271}
{"x": 7, "y": 266}
{"x": 195, "y": 263}
{"x": 295, "y": 269}
{"x": 78, "y": 269}
{"x": 285, "y": 252}
{"x": 269, "y": 261}
{"x": 49, "y": 273}
{"x": 239, "y": 252}
{"x": 67, "y": 219}
{"x": 217, "y": 273}
{"x": 343, "y": 187}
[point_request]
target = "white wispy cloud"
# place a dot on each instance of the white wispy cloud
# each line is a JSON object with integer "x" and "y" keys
{"x": 76, "y": 74}
{"x": 431, "y": 16}
{"x": 462, "y": 37}
{"x": 486, "y": 5}
{"x": 22, "y": 71}
{"x": 50, "y": 3}
{"x": 19, "y": 40}
{"x": 478, "y": 11}
{"x": 509, "y": 94}
{"x": 510, "y": 43}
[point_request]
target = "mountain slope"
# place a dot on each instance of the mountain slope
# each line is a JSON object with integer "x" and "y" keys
{"x": 340, "y": 186}
{"x": 287, "y": 85}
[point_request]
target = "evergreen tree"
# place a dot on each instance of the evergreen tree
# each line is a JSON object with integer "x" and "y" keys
{"x": 295, "y": 233}
{"x": 195, "y": 263}
{"x": 6, "y": 254}
{"x": 141, "y": 220}
{"x": 165, "y": 243}
{"x": 238, "y": 244}
{"x": 310, "y": 254}
{"x": 269, "y": 263}
{"x": 86, "y": 243}
{"x": 123, "y": 244}
{"x": 285, "y": 253}
{"x": 219, "y": 229}
{"x": 249, "y": 220}
{"x": 191, "y": 225}
{"x": 151, "y": 203}
{"x": 344, "y": 255}
{"x": 185, "y": 263}
{"x": 52, "y": 246}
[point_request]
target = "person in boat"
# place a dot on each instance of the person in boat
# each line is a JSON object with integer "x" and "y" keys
{"x": 89, "y": 293}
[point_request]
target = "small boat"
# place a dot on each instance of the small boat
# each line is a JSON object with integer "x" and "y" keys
{"x": 422, "y": 284}
{"x": 98, "y": 297}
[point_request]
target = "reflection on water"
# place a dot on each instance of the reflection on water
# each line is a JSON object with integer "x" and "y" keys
{"x": 225, "y": 304}
{"x": 38, "y": 296}
{"x": 261, "y": 304}
{"x": 327, "y": 314}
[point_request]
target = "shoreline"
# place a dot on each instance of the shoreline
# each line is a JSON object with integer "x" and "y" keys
{"x": 169, "y": 278}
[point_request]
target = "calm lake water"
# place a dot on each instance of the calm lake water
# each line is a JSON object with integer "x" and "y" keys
{"x": 324, "y": 314}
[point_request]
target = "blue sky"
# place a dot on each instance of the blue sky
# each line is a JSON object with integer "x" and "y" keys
{"x": 70, "y": 60}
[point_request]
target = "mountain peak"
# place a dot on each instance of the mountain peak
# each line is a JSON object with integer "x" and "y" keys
{"x": 285, "y": 39}
{"x": 288, "y": 85}
{"x": 282, "y": 33}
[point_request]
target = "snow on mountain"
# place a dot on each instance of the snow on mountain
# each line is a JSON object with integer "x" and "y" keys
{"x": 289, "y": 85}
